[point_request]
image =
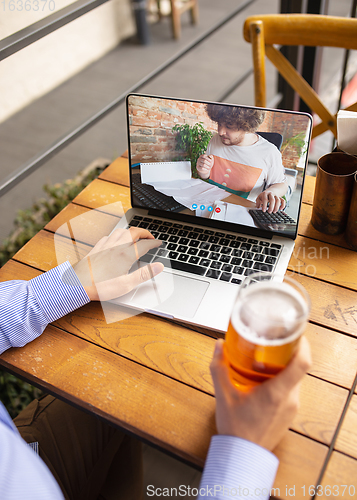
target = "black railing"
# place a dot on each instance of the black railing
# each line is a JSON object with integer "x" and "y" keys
{"x": 36, "y": 31}
{"x": 43, "y": 156}
{"x": 31, "y": 34}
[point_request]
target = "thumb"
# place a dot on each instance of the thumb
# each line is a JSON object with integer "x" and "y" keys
{"x": 143, "y": 274}
{"x": 111, "y": 289}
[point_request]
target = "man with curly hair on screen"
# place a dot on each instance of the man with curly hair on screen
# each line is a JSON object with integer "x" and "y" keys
{"x": 241, "y": 161}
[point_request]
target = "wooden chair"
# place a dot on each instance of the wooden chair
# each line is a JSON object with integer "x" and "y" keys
{"x": 178, "y": 7}
{"x": 265, "y": 31}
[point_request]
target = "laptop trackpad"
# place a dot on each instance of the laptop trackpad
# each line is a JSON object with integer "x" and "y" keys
{"x": 171, "y": 294}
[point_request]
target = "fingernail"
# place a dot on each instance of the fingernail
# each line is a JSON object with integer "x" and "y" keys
{"x": 156, "y": 268}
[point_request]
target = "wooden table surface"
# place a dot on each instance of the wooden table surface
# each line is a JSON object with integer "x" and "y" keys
{"x": 151, "y": 376}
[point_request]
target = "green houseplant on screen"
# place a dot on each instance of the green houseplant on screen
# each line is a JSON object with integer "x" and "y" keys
{"x": 192, "y": 141}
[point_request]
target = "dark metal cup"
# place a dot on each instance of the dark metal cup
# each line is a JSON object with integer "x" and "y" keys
{"x": 351, "y": 230}
{"x": 333, "y": 192}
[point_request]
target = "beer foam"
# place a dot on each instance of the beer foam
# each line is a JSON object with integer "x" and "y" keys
{"x": 270, "y": 313}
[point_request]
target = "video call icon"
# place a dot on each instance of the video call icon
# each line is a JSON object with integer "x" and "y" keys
{"x": 202, "y": 207}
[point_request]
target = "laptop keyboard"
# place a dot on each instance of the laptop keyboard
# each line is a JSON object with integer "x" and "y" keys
{"x": 205, "y": 252}
{"x": 147, "y": 196}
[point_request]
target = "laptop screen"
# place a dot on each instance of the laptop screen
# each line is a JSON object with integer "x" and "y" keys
{"x": 228, "y": 165}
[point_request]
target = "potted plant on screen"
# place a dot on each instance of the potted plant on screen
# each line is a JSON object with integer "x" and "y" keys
{"x": 192, "y": 140}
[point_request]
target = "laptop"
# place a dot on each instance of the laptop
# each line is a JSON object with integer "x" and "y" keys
{"x": 212, "y": 230}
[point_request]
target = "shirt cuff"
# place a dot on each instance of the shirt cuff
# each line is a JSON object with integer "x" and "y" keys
{"x": 238, "y": 468}
{"x": 59, "y": 292}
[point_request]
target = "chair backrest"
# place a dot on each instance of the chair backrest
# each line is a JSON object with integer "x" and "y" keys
{"x": 177, "y": 9}
{"x": 277, "y": 139}
{"x": 265, "y": 31}
{"x": 273, "y": 137}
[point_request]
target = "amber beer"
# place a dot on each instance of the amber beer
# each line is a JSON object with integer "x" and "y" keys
{"x": 265, "y": 327}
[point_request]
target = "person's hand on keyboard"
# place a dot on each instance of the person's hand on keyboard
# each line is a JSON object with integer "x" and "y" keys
{"x": 104, "y": 272}
{"x": 270, "y": 201}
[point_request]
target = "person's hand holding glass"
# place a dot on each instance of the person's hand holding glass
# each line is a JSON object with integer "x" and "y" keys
{"x": 258, "y": 369}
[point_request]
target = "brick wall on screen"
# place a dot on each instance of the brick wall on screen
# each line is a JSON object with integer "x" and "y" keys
{"x": 151, "y": 123}
{"x": 288, "y": 125}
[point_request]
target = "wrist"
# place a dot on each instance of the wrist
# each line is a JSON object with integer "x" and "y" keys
{"x": 83, "y": 270}
{"x": 92, "y": 292}
{"x": 236, "y": 464}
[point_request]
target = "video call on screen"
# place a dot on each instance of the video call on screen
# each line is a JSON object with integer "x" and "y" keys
{"x": 247, "y": 151}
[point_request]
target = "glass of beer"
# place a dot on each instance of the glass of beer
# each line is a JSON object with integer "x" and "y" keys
{"x": 268, "y": 318}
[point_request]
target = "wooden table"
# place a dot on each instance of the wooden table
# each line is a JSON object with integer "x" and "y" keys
{"x": 151, "y": 376}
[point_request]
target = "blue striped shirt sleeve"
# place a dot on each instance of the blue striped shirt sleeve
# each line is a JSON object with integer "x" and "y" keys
{"x": 26, "y": 307}
{"x": 237, "y": 468}
{"x": 23, "y": 475}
